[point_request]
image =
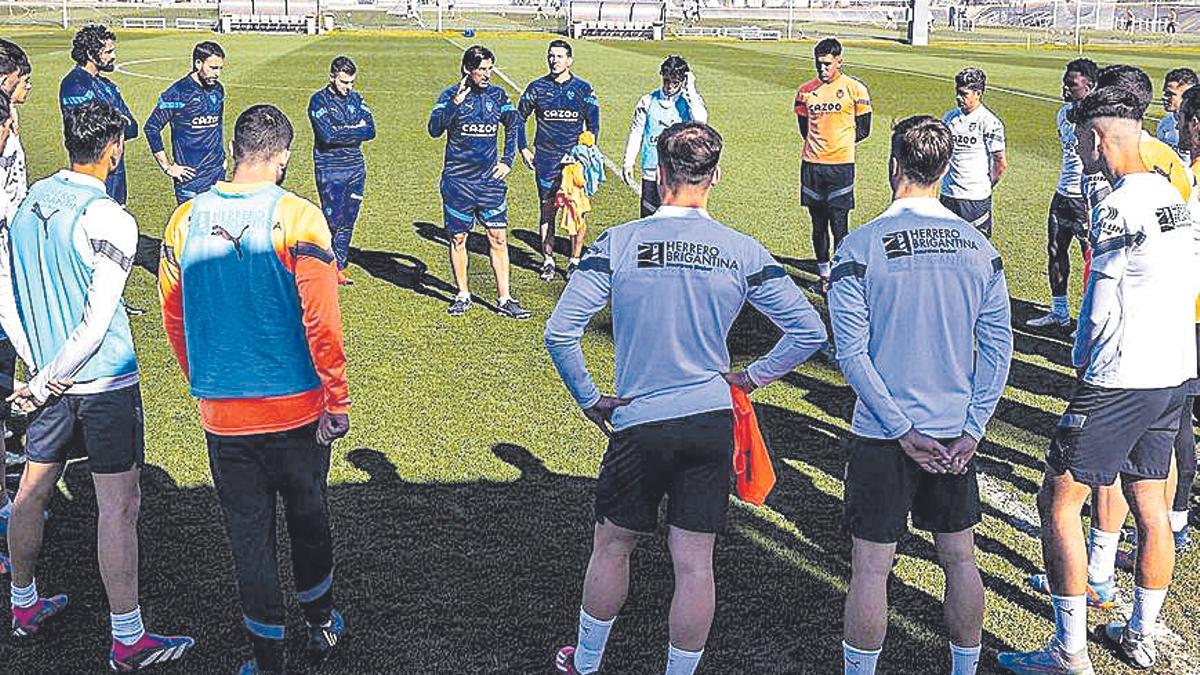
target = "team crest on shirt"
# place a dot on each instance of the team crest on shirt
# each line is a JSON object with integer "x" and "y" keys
{"x": 488, "y": 105}
{"x": 683, "y": 254}
{"x": 841, "y": 93}
{"x": 571, "y": 95}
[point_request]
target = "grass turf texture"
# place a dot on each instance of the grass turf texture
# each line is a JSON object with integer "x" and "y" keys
{"x": 462, "y": 496}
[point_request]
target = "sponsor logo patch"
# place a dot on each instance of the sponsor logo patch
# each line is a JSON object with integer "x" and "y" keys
{"x": 683, "y": 254}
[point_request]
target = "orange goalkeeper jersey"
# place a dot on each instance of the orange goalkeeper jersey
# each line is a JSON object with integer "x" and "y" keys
{"x": 831, "y": 109}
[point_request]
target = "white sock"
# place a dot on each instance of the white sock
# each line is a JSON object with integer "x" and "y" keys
{"x": 593, "y": 636}
{"x": 24, "y": 597}
{"x": 963, "y": 660}
{"x": 858, "y": 661}
{"x": 823, "y": 269}
{"x": 503, "y": 299}
{"x": 1179, "y": 520}
{"x": 1070, "y": 622}
{"x": 574, "y": 261}
{"x": 547, "y": 259}
{"x": 463, "y": 295}
{"x": 1058, "y": 305}
{"x": 1102, "y": 555}
{"x": 1146, "y": 606}
{"x": 680, "y": 662}
{"x": 127, "y": 628}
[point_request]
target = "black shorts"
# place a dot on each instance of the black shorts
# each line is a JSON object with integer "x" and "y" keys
{"x": 827, "y": 185}
{"x": 1068, "y": 214}
{"x": 883, "y": 486}
{"x": 547, "y": 187}
{"x": 688, "y": 459}
{"x": 977, "y": 212}
{"x": 107, "y": 428}
{"x": 1106, "y": 432}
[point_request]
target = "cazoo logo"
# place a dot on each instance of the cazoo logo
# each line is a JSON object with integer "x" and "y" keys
{"x": 206, "y": 120}
{"x": 476, "y": 129}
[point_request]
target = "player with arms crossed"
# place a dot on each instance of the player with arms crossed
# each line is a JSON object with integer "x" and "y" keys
{"x": 671, "y": 419}
{"x": 563, "y": 106}
{"x": 341, "y": 123}
{"x": 978, "y": 160}
{"x": 917, "y": 422}
{"x": 470, "y": 113}
{"x": 677, "y": 101}
{"x": 833, "y": 111}
{"x": 1134, "y": 347}
{"x": 194, "y": 107}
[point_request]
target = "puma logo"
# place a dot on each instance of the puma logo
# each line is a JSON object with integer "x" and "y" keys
{"x": 218, "y": 231}
{"x": 37, "y": 211}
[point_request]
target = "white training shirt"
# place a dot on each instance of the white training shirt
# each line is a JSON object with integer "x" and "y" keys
{"x": 1070, "y": 176}
{"x": 976, "y": 137}
{"x": 1137, "y": 321}
{"x": 14, "y": 179}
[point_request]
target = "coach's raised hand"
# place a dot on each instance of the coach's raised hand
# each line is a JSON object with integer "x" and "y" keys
{"x": 464, "y": 87}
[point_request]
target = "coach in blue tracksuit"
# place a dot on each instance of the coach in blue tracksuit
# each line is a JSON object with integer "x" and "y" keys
{"x": 341, "y": 122}
{"x": 94, "y": 50}
{"x": 470, "y": 113}
{"x": 194, "y": 107}
{"x": 563, "y": 106}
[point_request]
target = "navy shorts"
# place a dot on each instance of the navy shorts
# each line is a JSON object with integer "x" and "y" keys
{"x": 827, "y": 185}
{"x": 687, "y": 459}
{"x": 483, "y": 201}
{"x": 977, "y": 212}
{"x": 106, "y": 428}
{"x": 1109, "y": 432}
{"x": 883, "y": 485}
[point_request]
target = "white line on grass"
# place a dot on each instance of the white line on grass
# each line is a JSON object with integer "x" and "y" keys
{"x": 517, "y": 90}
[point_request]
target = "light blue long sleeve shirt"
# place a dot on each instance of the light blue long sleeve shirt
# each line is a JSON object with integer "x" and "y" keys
{"x": 676, "y": 281}
{"x": 921, "y": 319}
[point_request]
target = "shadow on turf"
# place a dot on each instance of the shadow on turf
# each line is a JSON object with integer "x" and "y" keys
{"x": 484, "y": 577}
{"x": 410, "y": 273}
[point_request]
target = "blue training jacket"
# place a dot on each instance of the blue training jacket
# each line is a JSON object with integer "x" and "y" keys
{"x": 561, "y": 111}
{"x": 341, "y": 124}
{"x": 472, "y": 130}
{"x": 195, "y": 114}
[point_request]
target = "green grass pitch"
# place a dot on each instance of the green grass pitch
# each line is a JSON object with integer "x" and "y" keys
{"x": 462, "y": 495}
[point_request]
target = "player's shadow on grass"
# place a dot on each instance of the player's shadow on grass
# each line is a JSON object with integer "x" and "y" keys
{"x": 410, "y": 273}
{"x": 433, "y": 576}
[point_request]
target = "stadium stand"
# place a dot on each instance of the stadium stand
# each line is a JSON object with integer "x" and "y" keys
{"x": 143, "y": 22}
{"x": 268, "y": 16}
{"x": 619, "y": 20}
